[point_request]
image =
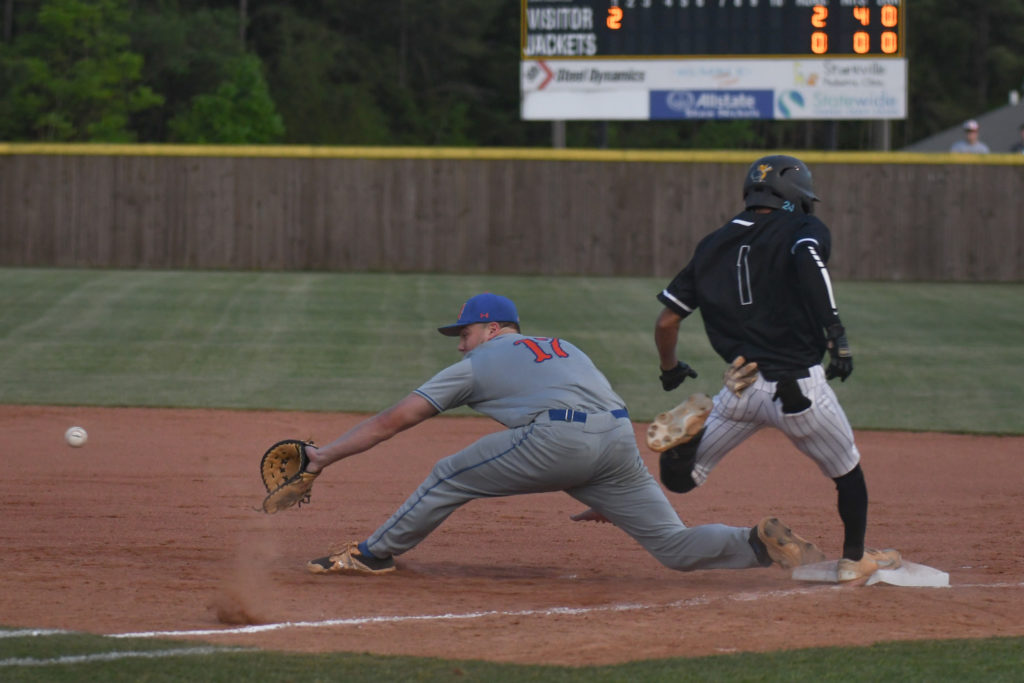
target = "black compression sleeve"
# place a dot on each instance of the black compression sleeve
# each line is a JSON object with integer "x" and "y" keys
{"x": 852, "y": 494}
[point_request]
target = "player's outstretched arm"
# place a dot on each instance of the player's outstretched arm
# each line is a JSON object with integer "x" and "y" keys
{"x": 408, "y": 412}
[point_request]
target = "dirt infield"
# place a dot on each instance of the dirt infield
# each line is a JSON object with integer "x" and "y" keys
{"x": 150, "y": 528}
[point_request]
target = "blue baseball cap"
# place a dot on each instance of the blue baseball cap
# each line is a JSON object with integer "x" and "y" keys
{"x": 483, "y": 308}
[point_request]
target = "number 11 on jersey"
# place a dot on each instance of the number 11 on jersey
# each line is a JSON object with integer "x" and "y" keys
{"x": 539, "y": 354}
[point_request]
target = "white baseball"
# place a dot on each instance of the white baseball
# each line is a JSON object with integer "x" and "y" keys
{"x": 75, "y": 436}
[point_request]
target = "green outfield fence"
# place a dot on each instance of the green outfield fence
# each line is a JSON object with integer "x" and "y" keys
{"x": 894, "y": 216}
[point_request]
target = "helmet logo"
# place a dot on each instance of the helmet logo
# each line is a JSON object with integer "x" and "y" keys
{"x": 759, "y": 173}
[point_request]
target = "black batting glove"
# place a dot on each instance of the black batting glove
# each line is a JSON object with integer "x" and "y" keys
{"x": 841, "y": 359}
{"x": 670, "y": 379}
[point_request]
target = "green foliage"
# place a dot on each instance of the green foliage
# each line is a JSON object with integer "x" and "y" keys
{"x": 239, "y": 111}
{"x": 388, "y": 72}
{"x": 186, "y": 54}
{"x": 725, "y": 134}
{"x": 400, "y": 72}
{"x": 324, "y": 83}
{"x": 964, "y": 58}
{"x": 73, "y": 76}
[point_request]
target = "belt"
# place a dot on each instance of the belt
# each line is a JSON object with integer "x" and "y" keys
{"x": 565, "y": 415}
{"x": 779, "y": 375}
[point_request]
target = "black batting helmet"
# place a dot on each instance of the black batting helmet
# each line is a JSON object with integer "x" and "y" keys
{"x": 780, "y": 182}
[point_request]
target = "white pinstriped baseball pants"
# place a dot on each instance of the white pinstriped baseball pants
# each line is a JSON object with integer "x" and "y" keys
{"x": 821, "y": 432}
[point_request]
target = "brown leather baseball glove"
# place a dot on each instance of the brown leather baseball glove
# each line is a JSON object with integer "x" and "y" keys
{"x": 283, "y": 469}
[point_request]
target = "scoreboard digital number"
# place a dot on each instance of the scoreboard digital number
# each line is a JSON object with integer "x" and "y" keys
{"x": 626, "y": 29}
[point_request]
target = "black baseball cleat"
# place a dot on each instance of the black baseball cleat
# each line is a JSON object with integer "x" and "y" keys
{"x": 348, "y": 560}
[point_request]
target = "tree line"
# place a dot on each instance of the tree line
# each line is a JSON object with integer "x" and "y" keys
{"x": 402, "y": 72}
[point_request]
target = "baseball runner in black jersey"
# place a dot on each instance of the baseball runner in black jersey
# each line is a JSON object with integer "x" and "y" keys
{"x": 567, "y": 431}
{"x": 762, "y": 285}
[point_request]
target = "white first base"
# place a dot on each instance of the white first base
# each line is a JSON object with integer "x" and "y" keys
{"x": 910, "y": 574}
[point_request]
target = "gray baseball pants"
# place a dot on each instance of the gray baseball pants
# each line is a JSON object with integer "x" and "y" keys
{"x": 596, "y": 462}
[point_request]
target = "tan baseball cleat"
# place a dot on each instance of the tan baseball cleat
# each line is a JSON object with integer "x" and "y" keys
{"x": 873, "y": 560}
{"x": 785, "y": 547}
{"x": 348, "y": 560}
{"x": 679, "y": 425}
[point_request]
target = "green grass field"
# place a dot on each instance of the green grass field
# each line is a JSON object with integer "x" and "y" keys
{"x": 75, "y": 658}
{"x": 927, "y": 357}
{"x": 932, "y": 357}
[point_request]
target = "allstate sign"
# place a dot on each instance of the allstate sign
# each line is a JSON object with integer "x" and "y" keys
{"x": 711, "y": 104}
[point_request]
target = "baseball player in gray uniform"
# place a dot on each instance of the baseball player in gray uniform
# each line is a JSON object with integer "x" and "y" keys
{"x": 567, "y": 431}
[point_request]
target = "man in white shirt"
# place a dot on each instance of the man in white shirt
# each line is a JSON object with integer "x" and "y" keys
{"x": 970, "y": 144}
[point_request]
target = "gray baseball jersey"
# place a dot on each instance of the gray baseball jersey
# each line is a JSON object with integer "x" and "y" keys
{"x": 513, "y": 379}
{"x": 568, "y": 431}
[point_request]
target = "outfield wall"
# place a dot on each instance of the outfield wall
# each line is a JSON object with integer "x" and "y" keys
{"x": 894, "y": 216}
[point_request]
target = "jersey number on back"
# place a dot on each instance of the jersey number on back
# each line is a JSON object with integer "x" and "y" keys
{"x": 539, "y": 354}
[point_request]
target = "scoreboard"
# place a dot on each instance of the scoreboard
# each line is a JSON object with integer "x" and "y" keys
{"x": 702, "y": 28}
{"x": 636, "y": 59}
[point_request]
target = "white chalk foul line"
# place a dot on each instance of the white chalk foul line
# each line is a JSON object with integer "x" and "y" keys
{"x": 550, "y": 611}
{"x": 30, "y": 632}
{"x": 397, "y": 619}
{"x": 359, "y": 621}
{"x": 115, "y": 656}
